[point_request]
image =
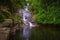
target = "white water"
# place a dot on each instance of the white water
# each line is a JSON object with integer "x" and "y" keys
{"x": 27, "y": 22}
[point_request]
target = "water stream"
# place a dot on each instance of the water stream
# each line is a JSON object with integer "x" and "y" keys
{"x": 26, "y": 22}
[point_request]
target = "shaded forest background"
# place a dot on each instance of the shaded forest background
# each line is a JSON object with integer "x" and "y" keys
{"x": 45, "y": 11}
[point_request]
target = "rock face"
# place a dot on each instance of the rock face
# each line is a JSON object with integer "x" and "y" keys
{"x": 6, "y": 23}
{"x": 4, "y": 32}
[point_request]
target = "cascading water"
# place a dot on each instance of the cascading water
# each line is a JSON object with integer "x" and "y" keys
{"x": 26, "y": 22}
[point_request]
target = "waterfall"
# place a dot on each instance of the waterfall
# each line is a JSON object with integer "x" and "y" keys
{"x": 27, "y": 22}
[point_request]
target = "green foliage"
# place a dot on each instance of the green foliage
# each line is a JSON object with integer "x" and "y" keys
{"x": 10, "y": 7}
{"x": 18, "y": 20}
{"x": 46, "y": 11}
{"x": 21, "y": 3}
{"x": 4, "y": 15}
